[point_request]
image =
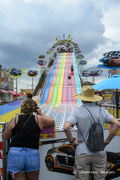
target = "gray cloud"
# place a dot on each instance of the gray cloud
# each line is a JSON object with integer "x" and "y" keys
{"x": 28, "y": 29}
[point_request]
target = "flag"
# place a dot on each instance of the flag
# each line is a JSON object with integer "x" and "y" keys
{"x": 69, "y": 36}
{"x": 56, "y": 38}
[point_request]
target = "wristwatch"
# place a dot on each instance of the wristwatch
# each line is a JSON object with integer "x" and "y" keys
{"x": 72, "y": 141}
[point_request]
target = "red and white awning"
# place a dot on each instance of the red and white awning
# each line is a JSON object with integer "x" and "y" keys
{"x": 3, "y": 91}
{"x": 7, "y": 91}
{"x": 10, "y": 91}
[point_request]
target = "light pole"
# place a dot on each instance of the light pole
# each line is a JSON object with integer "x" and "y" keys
{"x": 32, "y": 84}
{"x": 16, "y": 90}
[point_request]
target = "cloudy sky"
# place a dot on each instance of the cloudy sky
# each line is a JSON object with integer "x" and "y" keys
{"x": 28, "y": 29}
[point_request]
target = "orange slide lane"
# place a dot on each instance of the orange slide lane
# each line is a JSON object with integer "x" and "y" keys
{"x": 49, "y": 99}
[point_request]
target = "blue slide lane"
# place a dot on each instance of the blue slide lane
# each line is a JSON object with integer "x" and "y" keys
{"x": 10, "y": 107}
{"x": 46, "y": 91}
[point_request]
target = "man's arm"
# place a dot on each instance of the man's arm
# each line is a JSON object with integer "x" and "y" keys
{"x": 115, "y": 127}
{"x": 67, "y": 129}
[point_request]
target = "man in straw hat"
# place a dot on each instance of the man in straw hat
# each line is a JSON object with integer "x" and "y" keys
{"x": 85, "y": 160}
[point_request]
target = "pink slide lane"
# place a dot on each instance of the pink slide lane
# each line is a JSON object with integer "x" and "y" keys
{"x": 69, "y": 90}
{"x": 74, "y": 100}
{"x": 64, "y": 94}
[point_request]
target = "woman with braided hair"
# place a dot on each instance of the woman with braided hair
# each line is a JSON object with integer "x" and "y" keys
{"x": 23, "y": 160}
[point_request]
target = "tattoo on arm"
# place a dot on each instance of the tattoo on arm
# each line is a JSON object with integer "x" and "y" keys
{"x": 9, "y": 124}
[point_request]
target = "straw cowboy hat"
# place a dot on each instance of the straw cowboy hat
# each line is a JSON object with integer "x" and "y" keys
{"x": 88, "y": 95}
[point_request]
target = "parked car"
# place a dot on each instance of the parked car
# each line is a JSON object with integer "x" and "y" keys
{"x": 61, "y": 159}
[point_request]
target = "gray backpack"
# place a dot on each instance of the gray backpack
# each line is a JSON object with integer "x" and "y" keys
{"x": 95, "y": 141}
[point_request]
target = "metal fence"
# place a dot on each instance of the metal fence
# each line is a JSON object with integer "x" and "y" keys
{"x": 111, "y": 109}
{"x": 5, "y": 143}
{"x": 5, "y": 147}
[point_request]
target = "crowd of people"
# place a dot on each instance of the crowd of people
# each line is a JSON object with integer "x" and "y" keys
{"x": 23, "y": 160}
{"x": 63, "y": 49}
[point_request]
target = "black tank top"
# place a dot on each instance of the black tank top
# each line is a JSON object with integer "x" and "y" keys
{"x": 29, "y": 135}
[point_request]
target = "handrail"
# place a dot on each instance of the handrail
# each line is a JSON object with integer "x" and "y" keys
{"x": 112, "y": 109}
{"x": 112, "y": 105}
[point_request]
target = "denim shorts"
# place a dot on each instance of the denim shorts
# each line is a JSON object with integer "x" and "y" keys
{"x": 23, "y": 159}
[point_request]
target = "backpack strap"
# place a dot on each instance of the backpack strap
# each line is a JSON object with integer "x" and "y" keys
{"x": 92, "y": 115}
{"x": 84, "y": 139}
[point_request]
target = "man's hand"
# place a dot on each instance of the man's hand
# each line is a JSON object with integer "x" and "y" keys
{"x": 74, "y": 143}
{"x": 105, "y": 143}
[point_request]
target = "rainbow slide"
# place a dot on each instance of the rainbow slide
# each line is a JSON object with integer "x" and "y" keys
{"x": 56, "y": 97}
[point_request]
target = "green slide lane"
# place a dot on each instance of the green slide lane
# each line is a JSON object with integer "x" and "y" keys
{"x": 55, "y": 91}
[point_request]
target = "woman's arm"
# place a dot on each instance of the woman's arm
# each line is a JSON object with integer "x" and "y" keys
{"x": 47, "y": 121}
{"x": 44, "y": 120}
{"x": 7, "y": 132}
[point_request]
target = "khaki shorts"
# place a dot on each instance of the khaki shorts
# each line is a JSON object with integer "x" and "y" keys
{"x": 90, "y": 164}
